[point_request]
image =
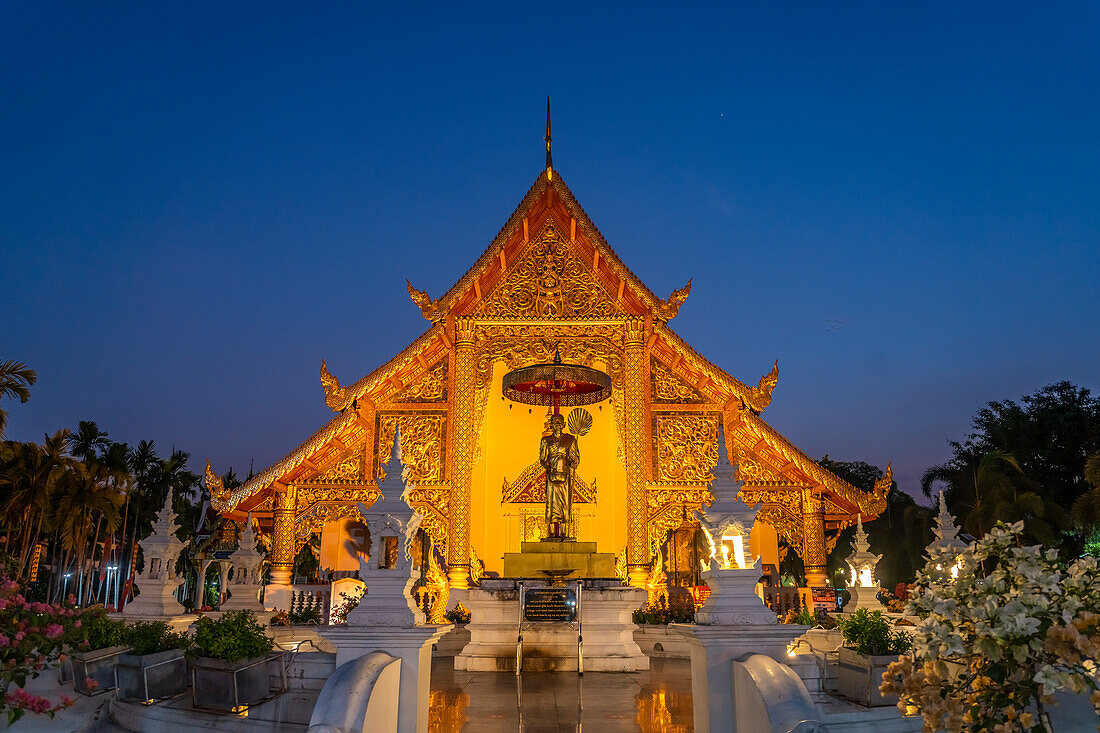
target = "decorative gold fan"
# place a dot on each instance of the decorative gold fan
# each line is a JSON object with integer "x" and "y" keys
{"x": 579, "y": 421}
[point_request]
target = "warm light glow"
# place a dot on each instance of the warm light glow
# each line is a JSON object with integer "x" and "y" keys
{"x": 737, "y": 543}
{"x": 865, "y": 579}
{"x": 955, "y": 569}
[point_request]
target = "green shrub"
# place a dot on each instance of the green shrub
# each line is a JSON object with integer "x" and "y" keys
{"x": 99, "y": 632}
{"x": 673, "y": 611}
{"x": 235, "y": 636}
{"x": 458, "y": 615}
{"x": 150, "y": 637}
{"x": 870, "y": 634}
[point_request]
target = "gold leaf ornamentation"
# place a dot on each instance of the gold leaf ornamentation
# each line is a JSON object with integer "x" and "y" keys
{"x": 423, "y": 301}
{"x": 668, "y": 388}
{"x": 762, "y": 392}
{"x": 669, "y": 307}
{"x": 423, "y": 442}
{"x": 431, "y": 387}
{"x": 549, "y": 281}
{"x": 219, "y": 495}
{"x": 348, "y": 470}
{"x": 337, "y": 398}
{"x": 684, "y": 447}
{"x": 530, "y": 488}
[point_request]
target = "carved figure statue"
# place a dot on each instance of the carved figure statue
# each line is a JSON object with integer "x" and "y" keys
{"x": 559, "y": 455}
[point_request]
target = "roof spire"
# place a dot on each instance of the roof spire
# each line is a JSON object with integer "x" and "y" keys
{"x": 549, "y": 160}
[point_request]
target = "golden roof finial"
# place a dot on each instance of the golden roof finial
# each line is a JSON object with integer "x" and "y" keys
{"x": 219, "y": 495}
{"x": 549, "y": 160}
{"x": 337, "y": 397}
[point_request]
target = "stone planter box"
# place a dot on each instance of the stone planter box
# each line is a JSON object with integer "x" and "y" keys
{"x": 230, "y": 686}
{"x": 151, "y": 677}
{"x": 858, "y": 677}
{"x": 97, "y": 665}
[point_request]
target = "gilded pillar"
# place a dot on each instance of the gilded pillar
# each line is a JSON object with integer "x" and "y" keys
{"x": 813, "y": 537}
{"x": 282, "y": 540}
{"x": 462, "y": 454}
{"x": 637, "y": 530}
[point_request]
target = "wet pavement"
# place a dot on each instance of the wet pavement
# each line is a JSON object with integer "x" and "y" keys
{"x": 654, "y": 701}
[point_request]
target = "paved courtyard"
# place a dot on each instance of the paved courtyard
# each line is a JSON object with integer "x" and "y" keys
{"x": 655, "y": 701}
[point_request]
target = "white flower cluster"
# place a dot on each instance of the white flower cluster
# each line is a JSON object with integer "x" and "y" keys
{"x": 996, "y": 641}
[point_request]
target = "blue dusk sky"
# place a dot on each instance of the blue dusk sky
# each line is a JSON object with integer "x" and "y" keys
{"x": 198, "y": 202}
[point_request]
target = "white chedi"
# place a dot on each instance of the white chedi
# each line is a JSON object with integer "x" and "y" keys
{"x": 248, "y": 567}
{"x": 946, "y": 547}
{"x": 863, "y": 585}
{"x": 159, "y": 579}
{"x": 730, "y": 572}
{"x": 386, "y": 566}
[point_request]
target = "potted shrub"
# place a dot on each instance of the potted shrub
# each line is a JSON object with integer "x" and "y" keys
{"x": 97, "y": 653}
{"x": 230, "y": 669}
{"x": 871, "y": 645}
{"x": 154, "y": 668}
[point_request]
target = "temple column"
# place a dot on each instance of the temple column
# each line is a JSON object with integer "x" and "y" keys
{"x": 813, "y": 537}
{"x": 282, "y": 540}
{"x": 637, "y": 530}
{"x": 462, "y": 454}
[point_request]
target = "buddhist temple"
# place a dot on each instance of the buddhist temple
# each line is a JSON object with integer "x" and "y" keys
{"x": 547, "y": 283}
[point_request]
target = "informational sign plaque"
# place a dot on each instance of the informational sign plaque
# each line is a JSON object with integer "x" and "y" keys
{"x": 545, "y": 605}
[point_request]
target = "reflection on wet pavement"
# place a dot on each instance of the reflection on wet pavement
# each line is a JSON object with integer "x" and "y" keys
{"x": 653, "y": 701}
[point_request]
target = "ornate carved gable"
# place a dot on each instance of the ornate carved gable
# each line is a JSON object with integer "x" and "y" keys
{"x": 423, "y": 442}
{"x": 549, "y": 280}
{"x": 431, "y": 387}
{"x": 530, "y": 488}
{"x": 668, "y": 388}
{"x": 346, "y": 470}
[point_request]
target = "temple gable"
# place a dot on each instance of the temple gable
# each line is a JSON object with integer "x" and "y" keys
{"x": 549, "y": 280}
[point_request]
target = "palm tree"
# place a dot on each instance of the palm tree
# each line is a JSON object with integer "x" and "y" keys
{"x": 89, "y": 497}
{"x": 986, "y": 489}
{"x": 16, "y": 379}
{"x": 88, "y": 441}
{"x": 29, "y": 480}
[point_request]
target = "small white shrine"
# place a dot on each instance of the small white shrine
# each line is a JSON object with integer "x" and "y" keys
{"x": 159, "y": 580}
{"x": 387, "y": 618}
{"x": 862, "y": 584}
{"x": 947, "y": 545}
{"x": 248, "y": 567}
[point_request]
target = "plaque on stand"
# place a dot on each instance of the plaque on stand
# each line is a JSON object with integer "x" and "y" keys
{"x": 559, "y": 603}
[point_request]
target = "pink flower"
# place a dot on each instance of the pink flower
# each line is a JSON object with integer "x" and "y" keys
{"x": 67, "y": 701}
{"x": 4, "y": 641}
{"x": 54, "y": 630}
{"x": 76, "y": 625}
{"x": 92, "y": 684}
{"x": 19, "y": 635}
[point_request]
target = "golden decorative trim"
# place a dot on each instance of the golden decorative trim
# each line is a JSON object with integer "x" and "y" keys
{"x": 684, "y": 447}
{"x": 668, "y": 388}
{"x": 530, "y": 488}
{"x": 549, "y": 280}
{"x": 423, "y": 442}
{"x": 429, "y": 388}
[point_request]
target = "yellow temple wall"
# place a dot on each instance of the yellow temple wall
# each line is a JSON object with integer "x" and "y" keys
{"x": 764, "y": 541}
{"x": 509, "y": 443}
{"x": 339, "y": 544}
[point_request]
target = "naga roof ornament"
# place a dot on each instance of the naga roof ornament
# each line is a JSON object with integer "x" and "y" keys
{"x": 423, "y": 301}
{"x": 882, "y": 486}
{"x": 670, "y": 306}
{"x": 763, "y": 389}
{"x": 219, "y": 495}
{"x": 337, "y": 398}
